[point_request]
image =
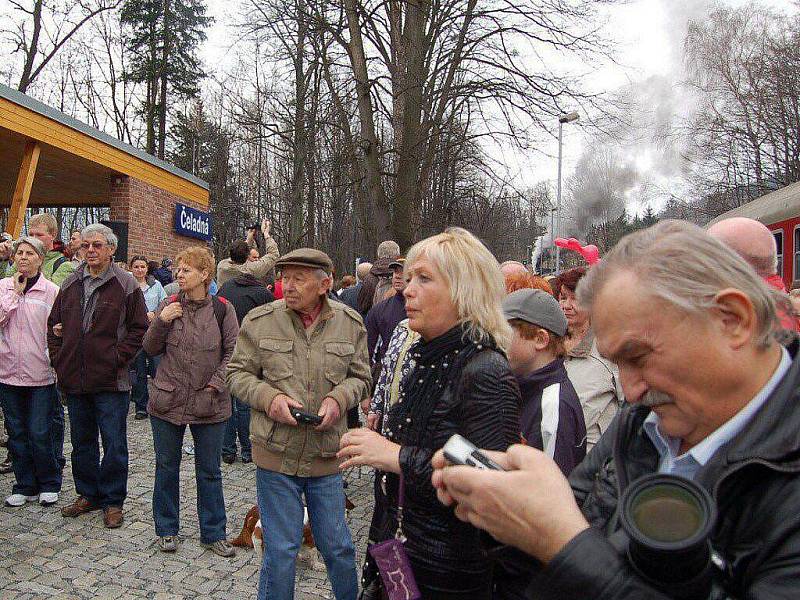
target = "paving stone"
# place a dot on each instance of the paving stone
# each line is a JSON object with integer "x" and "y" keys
{"x": 48, "y": 556}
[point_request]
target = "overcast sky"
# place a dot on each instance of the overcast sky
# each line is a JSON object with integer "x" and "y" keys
{"x": 649, "y": 36}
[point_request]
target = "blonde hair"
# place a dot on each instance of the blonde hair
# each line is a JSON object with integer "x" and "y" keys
{"x": 472, "y": 275}
{"x": 45, "y": 219}
{"x": 198, "y": 257}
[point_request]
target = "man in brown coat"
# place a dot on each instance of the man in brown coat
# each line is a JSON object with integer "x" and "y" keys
{"x": 301, "y": 363}
{"x": 93, "y": 332}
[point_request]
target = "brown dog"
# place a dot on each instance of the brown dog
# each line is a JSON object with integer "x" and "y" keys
{"x": 253, "y": 537}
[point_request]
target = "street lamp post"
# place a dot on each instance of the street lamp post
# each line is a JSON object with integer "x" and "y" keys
{"x": 567, "y": 118}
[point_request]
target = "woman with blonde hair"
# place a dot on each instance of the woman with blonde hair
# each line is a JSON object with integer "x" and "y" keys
{"x": 196, "y": 333}
{"x": 460, "y": 382}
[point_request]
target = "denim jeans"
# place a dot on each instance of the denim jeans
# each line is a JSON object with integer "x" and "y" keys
{"x": 102, "y": 483}
{"x": 143, "y": 365}
{"x": 58, "y": 429}
{"x": 281, "y": 507}
{"x": 29, "y": 422}
{"x": 167, "y": 439}
{"x": 239, "y": 423}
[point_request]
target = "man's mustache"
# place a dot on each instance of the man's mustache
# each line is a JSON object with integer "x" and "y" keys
{"x": 654, "y": 398}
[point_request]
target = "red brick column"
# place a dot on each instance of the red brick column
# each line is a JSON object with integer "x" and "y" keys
{"x": 150, "y": 214}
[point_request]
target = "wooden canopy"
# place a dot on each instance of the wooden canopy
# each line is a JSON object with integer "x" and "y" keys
{"x": 47, "y": 158}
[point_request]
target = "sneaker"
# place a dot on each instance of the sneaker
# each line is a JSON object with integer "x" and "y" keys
{"x": 246, "y": 458}
{"x": 168, "y": 543}
{"x": 189, "y": 449}
{"x": 20, "y": 499}
{"x": 6, "y": 466}
{"x": 229, "y": 459}
{"x": 48, "y": 498}
{"x": 221, "y": 548}
{"x": 140, "y": 415}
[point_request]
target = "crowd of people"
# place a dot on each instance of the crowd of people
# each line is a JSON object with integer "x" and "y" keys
{"x": 676, "y": 354}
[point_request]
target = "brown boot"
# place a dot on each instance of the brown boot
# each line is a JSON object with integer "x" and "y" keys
{"x": 112, "y": 517}
{"x": 79, "y": 507}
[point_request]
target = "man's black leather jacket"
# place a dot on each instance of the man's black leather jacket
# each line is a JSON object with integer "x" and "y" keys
{"x": 754, "y": 480}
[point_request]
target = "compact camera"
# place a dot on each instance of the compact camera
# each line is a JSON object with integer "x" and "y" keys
{"x": 460, "y": 451}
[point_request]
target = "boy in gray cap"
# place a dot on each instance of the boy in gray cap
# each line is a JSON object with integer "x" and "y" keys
{"x": 551, "y": 418}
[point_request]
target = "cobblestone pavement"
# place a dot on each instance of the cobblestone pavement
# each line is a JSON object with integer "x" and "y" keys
{"x": 43, "y": 555}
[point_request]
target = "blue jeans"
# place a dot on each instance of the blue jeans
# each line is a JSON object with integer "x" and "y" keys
{"x": 281, "y": 507}
{"x": 167, "y": 439}
{"x": 105, "y": 413}
{"x": 29, "y": 422}
{"x": 143, "y": 365}
{"x": 58, "y": 429}
{"x": 239, "y": 423}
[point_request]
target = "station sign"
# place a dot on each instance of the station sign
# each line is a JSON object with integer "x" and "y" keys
{"x": 192, "y": 222}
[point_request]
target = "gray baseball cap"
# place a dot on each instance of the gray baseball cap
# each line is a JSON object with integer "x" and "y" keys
{"x": 536, "y": 307}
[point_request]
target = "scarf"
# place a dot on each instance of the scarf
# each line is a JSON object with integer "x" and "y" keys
{"x": 436, "y": 365}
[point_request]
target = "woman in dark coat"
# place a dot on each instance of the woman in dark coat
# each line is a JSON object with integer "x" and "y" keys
{"x": 460, "y": 383}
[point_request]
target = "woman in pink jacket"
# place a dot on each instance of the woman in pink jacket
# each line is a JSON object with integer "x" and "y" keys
{"x": 27, "y": 381}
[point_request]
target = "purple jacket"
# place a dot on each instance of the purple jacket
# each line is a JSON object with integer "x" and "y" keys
{"x": 381, "y": 321}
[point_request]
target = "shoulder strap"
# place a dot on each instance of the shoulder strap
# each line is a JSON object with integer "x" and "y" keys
{"x": 219, "y": 312}
{"x": 58, "y": 262}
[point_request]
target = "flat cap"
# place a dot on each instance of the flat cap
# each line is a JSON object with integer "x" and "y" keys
{"x": 536, "y": 307}
{"x": 306, "y": 257}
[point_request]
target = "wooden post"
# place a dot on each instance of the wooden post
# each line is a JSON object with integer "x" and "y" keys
{"x": 22, "y": 191}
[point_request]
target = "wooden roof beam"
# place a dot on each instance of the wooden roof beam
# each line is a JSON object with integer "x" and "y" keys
{"x": 22, "y": 191}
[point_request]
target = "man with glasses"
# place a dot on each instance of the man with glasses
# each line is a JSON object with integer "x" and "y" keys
{"x": 95, "y": 329}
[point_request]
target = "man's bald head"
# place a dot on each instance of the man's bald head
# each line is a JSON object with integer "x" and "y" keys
{"x": 362, "y": 270}
{"x": 749, "y": 239}
{"x": 511, "y": 267}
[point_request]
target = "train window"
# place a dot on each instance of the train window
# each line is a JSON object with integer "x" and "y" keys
{"x": 796, "y": 272}
{"x": 778, "y": 235}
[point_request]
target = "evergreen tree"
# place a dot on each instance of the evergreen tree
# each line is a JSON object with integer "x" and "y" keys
{"x": 162, "y": 37}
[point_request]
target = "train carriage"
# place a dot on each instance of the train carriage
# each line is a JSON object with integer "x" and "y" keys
{"x": 780, "y": 211}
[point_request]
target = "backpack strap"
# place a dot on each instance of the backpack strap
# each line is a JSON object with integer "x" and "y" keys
{"x": 220, "y": 308}
{"x": 57, "y": 264}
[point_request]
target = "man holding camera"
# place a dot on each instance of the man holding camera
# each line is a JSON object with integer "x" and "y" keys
{"x": 301, "y": 363}
{"x": 260, "y": 268}
{"x": 713, "y": 399}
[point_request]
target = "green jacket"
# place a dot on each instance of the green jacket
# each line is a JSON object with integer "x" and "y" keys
{"x": 61, "y": 273}
{"x": 275, "y": 354}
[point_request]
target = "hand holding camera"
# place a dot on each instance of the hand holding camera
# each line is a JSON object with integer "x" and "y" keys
{"x": 528, "y": 504}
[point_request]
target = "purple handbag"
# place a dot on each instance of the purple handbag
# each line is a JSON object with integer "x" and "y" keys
{"x": 392, "y": 561}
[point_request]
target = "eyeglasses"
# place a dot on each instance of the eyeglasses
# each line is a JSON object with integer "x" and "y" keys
{"x": 95, "y": 245}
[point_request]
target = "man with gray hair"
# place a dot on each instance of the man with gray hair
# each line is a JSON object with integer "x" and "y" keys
{"x": 94, "y": 330}
{"x": 712, "y": 398}
{"x": 379, "y": 280}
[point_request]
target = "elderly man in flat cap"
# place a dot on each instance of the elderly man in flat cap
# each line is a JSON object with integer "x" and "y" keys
{"x": 301, "y": 363}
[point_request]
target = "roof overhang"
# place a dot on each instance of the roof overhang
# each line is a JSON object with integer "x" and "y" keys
{"x": 76, "y": 161}
{"x": 769, "y": 209}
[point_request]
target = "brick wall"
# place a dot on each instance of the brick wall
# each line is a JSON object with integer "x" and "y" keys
{"x": 150, "y": 213}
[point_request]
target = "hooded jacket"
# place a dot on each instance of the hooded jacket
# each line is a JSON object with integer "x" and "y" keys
{"x": 190, "y": 381}
{"x": 245, "y": 292}
{"x": 754, "y": 480}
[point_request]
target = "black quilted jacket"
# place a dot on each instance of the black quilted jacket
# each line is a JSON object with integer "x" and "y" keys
{"x": 445, "y": 553}
{"x": 754, "y": 480}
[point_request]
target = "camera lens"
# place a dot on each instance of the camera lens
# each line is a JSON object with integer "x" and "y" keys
{"x": 667, "y": 513}
{"x": 668, "y": 520}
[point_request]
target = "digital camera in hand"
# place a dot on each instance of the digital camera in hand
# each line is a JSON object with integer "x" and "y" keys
{"x": 460, "y": 451}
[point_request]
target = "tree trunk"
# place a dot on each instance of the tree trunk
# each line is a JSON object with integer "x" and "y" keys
{"x": 162, "y": 101}
{"x": 32, "y": 49}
